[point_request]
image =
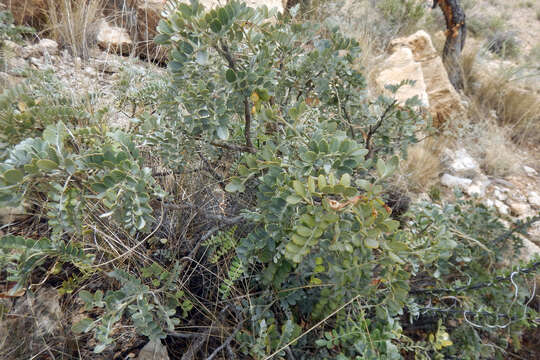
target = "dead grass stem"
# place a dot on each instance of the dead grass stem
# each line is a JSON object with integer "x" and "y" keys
{"x": 74, "y": 23}
{"x": 505, "y": 91}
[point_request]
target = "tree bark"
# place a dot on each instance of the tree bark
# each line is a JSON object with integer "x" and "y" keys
{"x": 456, "y": 32}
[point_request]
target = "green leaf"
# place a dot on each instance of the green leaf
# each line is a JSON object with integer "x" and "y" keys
{"x": 46, "y": 164}
{"x": 371, "y": 243}
{"x": 235, "y": 185}
{"x": 391, "y": 166}
{"x": 321, "y": 182}
{"x": 263, "y": 94}
{"x": 175, "y": 66}
{"x": 299, "y": 188}
{"x": 13, "y": 176}
{"x": 309, "y": 156}
{"x": 298, "y": 240}
{"x": 230, "y": 75}
{"x": 345, "y": 180}
{"x": 99, "y": 348}
{"x": 141, "y": 223}
{"x": 363, "y": 184}
{"x": 164, "y": 28}
{"x": 215, "y": 25}
{"x": 82, "y": 326}
{"x": 381, "y": 168}
{"x": 293, "y": 199}
{"x": 303, "y": 231}
{"x": 86, "y": 296}
{"x": 162, "y": 39}
{"x": 311, "y": 184}
{"x": 222, "y": 132}
{"x": 98, "y": 187}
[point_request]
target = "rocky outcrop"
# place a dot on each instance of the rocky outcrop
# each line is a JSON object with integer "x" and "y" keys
{"x": 444, "y": 102}
{"x": 401, "y": 66}
{"x": 114, "y": 39}
{"x": 44, "y": 47}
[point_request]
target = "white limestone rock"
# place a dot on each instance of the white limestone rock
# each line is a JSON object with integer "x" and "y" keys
{"x": 452, "y": 181}
{"x": 463, "y": 164}
{"x": 534, "y": 199}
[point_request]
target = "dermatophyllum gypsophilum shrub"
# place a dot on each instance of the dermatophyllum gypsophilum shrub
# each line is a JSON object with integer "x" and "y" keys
{"x": 315, "y": 155}
{"x": 287, "y": 96}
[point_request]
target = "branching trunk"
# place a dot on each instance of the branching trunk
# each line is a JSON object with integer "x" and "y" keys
{"x": 456, "y": 32}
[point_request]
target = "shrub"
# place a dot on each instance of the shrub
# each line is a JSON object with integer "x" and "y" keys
{"x": 332, "y": 267}
{"x": 10, "y": 31}
{"x": 403, "y": 13}
{"x": 504, "y": 44}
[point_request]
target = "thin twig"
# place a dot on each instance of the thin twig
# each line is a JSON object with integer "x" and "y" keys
{"x": 247, "y": 125}
{"x": 225, "y": 52}
{"x": 373, "y": 130}
{"x": 227, "y": 341}
{"x": 208, "y": 234}
{"x": 478, "y": 286}
{"x": 195, "y": 347}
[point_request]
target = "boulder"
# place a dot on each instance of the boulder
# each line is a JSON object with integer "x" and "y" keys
{"x": 477, "y": 188}
{"x": 7, "y": 81}
{"x": 401, "y": 66}
{"x": 500, "y": 194}
{"x": 114, "y": 39}
{"x": 12, "y": 48}
{"x": 520, "y": 209}
{"x": 502, "y": 208}
{"x": 444, "y": 102}
{"x": 528, "y": 252}
{"x": 452, "y": 181}
{"x": 530, "y": 171}
{"x": 534, "y": 199}
{"x": 45, "y": 46}
{"x": 462, "y": 163}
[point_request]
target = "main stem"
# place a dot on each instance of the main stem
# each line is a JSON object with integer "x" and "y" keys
{"x": 456, "y": 32}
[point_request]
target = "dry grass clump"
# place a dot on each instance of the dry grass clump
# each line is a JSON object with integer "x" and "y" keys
{"x": 506, "y": 91}
{"x": 74, "y": 23}
{"x": 492, "y": 146}
{"x": 516, "y": 108}
{"x": 422, "y": 167}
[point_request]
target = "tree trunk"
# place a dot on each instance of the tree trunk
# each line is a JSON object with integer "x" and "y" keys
{"x": 456, "y": 32}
